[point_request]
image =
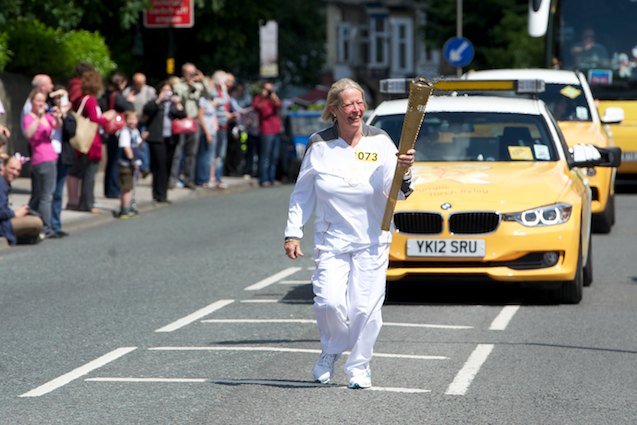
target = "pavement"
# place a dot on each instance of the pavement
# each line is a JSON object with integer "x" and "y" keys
{"x": 73, "y": 220}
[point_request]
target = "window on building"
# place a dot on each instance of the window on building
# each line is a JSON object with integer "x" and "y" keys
{"x": 378, "y": 37}
{"x": 402, "y": 47}
{"x": 344, "y": 42}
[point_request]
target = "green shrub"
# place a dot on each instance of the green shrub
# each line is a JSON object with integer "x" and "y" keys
{"x": 40, "y": 49}
{"x": 36, "y": 48}
{"x": 5, "y": 53}
{"x": 85, "y": 46}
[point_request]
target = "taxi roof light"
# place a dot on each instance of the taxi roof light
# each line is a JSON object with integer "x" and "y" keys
{"x": 401, "y": 85}
{"x": 394, "y": 86}
{"x": 530, "y": 86}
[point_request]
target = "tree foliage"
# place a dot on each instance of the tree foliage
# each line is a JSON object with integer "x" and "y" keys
{"x": 496, "y": 28}
{"x": 225, "y": 35}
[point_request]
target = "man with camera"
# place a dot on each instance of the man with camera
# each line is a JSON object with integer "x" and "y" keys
{"x": 17, "y": 225}
{"x": 190, "y": 88}
{"x": 267, "y": 104}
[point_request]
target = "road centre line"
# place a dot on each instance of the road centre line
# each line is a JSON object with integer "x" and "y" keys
{"x": 470, "y": 369}
{"x": 295, "y": 282}
{"x": 273, "y": 279}
{"x": 502, "y": 320}
{"x": 143, "y": 380}
{"x": 270, "y": 383}
{"x": 277, "y": 383}
{"x": 311, "y": 321}
{"x": 262, "y": 300}
{"x": 78, "y": 372}
{"x": 202, "y": 312}
{"x": 287, "y": 350}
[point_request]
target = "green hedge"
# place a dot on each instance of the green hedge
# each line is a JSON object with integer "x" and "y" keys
{"x": 5, "y": 53}
{"x": 36, "y": 48}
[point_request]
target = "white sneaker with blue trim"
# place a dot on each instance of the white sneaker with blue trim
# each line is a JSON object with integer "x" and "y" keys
{"x": 323, "y": 370}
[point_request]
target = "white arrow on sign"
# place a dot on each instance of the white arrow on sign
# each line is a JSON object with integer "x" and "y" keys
{"x": 456, "y": 54}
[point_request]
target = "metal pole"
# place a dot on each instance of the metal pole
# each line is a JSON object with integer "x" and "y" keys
{"x": 459, "y": 28}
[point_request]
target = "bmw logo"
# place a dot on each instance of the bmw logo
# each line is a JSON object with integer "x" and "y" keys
{"x": 446, "y": 206}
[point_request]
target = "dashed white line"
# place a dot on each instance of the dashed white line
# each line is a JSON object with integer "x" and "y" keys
{"x": 502, "y": 320}
{"x": 286, "y": 350}
{"x": 469, "y": 370}
{"x": 261, "y": 300}
{"x": 195, "y": 316}
{"x": 311, "y": 321}
{"x": 76, "y": 373}
{"x": 271, "y": 383}
{"x": 235, "y": 321}
{"x": 295, "y": 282}
{"x": 144, "y": 380}
{"x": 273, "y": 279}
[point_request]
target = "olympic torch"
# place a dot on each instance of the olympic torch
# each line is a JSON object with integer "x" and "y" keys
{"x": 419, "y": 92}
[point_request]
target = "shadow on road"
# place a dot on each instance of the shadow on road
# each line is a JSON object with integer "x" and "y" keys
{"x": 462, "y": 293}
{"x": 447, "y": 292}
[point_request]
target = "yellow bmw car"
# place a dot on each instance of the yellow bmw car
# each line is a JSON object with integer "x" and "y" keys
{"x": 497, "y": 195}
{"x": 569, "y": 98}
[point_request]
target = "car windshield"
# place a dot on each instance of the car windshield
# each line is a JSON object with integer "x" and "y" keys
{"x": 566, "y": 102}
{"x": 472, "y": 136}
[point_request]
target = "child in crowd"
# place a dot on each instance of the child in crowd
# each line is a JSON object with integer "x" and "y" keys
{"x": 130, "y": 141}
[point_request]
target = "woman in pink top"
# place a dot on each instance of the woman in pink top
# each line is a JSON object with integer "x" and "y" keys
{"x": 39, "y": 126}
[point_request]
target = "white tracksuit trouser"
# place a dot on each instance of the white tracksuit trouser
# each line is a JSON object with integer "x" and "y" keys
{"x": 349, "y": 291}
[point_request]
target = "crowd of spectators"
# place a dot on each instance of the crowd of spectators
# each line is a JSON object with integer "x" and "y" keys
{"x": 188, "y": 131}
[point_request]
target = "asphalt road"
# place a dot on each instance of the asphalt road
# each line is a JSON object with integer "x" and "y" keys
{"x": 193, "y": 315}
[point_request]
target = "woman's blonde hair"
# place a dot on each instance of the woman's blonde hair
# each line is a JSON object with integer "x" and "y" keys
{"x": 334, "y": 96}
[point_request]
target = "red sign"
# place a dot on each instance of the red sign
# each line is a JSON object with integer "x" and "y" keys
{"x": 170, "y": 14}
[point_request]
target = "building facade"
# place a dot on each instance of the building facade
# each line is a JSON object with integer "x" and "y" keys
{"x": 371, "y": 40}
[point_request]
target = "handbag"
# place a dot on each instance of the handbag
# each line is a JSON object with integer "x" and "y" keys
{"x": 84, "y": 132}
{"x": 184, "y": 126}
{"x": 117, "y": 122}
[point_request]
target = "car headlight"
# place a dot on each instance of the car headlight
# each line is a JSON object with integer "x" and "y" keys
{"x": 542, "y": 216}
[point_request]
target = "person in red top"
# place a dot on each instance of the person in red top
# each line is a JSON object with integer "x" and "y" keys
{"x": 74, "y": 87}
{"x": 267, "y": 104}
{"x": 81, "y": 197}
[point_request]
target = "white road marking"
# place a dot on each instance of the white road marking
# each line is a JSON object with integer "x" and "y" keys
{"x": 273, "y": 383}
{"x": 469, "y": 370}
{"x": 287, "y": 350}
{"x": 76, "y": 373}
{"x": 314, "y": 385}
{"x": 295, "y": 282}
{"x": 310, "y": 321}
{"x": 502, "y": 320}
{"x": 301, "y": 321}
{"x": 143, "y": 380}
{"x": 273, "y": 279}
{"x": 195, "y": 316}
{"x": 426, "y": 325}
{"x": 263, "y": 300}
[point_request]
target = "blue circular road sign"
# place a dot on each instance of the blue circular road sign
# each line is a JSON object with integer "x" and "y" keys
{"x": 458, "y": 51}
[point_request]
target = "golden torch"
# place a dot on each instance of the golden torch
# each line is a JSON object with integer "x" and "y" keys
{"x": 419, "y": 92}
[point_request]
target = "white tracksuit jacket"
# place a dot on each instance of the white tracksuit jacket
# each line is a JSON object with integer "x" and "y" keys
{"x": 347, "y": 190}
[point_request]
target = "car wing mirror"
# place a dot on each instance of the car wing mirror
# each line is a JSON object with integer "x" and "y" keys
{"x": 613, "y": 115}
{"x": 587, "y": 155}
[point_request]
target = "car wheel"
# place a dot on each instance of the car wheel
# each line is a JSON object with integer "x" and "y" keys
{"x": 588, "y": 268}
{"x": 570, "y": 291}
{"x": 603, "y": 222}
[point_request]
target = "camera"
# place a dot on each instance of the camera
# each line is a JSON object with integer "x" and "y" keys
{"x": 269, "y": 92}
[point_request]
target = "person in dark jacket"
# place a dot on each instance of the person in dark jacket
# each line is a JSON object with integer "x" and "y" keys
{"x": 15, "y": 225}
{"x": 113, "y": 99}
{"x": 158, "y": 115}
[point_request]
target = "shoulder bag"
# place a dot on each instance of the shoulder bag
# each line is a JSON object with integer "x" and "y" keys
{"x": 85, "y": 130}
{"x": 117, "y": 122}
{"x": 184, "y": 126}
